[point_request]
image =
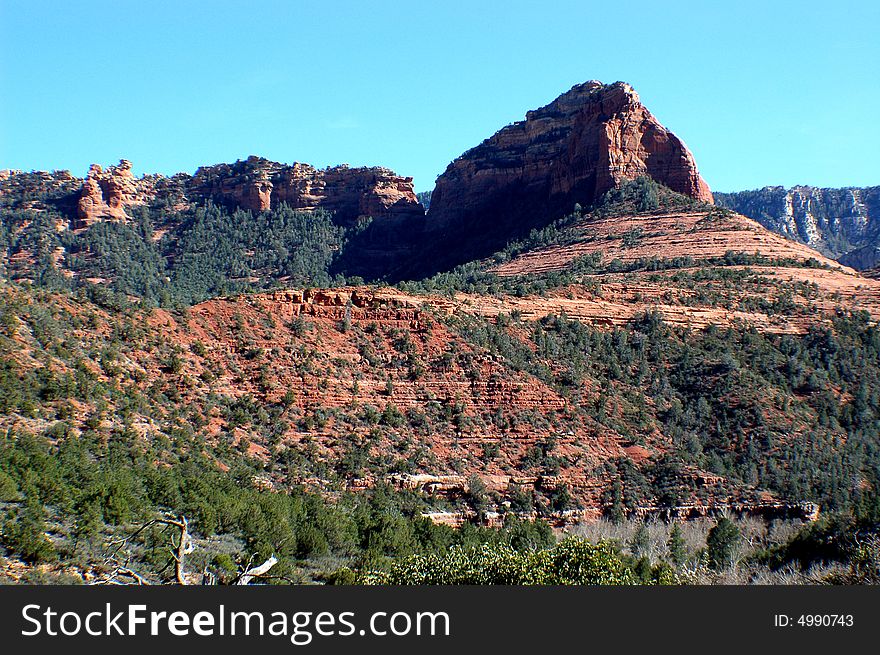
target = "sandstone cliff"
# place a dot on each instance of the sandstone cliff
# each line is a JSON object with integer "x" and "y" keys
{"x": 841, "y": 223}
{"x": 106, "y": 194}
{"x": 255, "y": 184}
{"x": 582, "y": 144}
{"x": 259, "y": 184}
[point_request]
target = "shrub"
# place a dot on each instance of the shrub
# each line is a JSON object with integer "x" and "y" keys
{"x": 24, "y": 533}
{"x": 571, "y": 562}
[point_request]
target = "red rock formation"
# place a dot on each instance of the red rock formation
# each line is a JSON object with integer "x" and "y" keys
{"x": 580, "y": 145}
{"x": 634, "y": 143}
{"x": 255, "y": 184}
{"x": 106, "y": 194}
{"x": 258, "y": 184}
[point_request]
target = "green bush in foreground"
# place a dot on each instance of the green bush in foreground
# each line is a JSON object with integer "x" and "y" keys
{"x": 571, "y": 562}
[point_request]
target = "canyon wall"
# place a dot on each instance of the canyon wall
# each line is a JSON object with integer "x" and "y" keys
{"x": 843, "y": 224}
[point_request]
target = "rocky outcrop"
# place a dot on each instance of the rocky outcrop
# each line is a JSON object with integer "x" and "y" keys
{"x": 258, "y": 184}
{"x": 255, "y": 184}
{"x": 841, "y": 223}
{"x": 33, "y": 190}
{"x": 373, "y": 247}
{"x": 106, "y": 194}
{"x": 863, "y": 259}
{"x": 582, "y": 144}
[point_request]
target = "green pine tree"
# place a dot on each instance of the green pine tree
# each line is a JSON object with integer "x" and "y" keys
{"x": 676, "y": 546}
{"x": 721, "y": 543}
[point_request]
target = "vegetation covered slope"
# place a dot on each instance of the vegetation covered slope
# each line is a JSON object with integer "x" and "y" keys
{"x": 611, "y": 381}
{"x": 173, "y": 258}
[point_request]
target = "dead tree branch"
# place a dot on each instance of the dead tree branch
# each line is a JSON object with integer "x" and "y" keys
{"x": 257, "y": 571}
{"x": 180, "y": 547}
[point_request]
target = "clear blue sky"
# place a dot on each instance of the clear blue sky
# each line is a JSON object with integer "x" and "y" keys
{"x": 763, "y": 92}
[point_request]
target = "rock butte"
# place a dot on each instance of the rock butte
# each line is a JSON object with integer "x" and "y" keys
{"x": 571, "y": 151}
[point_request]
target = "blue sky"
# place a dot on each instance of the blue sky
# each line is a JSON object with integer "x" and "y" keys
{"x": 762, "y": 92}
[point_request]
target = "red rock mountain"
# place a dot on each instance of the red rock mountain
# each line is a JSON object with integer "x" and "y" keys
{"x": 571, "y": 151}
{"x": 526, "y": 175}
{"x": 256, "y": 184}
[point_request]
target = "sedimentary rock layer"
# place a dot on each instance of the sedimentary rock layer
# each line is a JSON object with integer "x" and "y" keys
{"x": 573, "y": 150}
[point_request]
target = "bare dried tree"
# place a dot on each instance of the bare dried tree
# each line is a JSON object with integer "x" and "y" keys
{"x": 118, "y": 561}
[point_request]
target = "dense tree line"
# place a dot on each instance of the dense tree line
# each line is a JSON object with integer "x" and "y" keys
{"x": 178, "y": 258}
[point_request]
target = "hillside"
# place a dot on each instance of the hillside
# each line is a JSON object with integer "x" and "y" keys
{"x": 391, "y": 388}
{"x": 547, "y": 382}
{"x": 574, "y": 332}
{"x": 716, "y": 267}
{"x": 246, "y": 225}
{"x": 457, "y": 376}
